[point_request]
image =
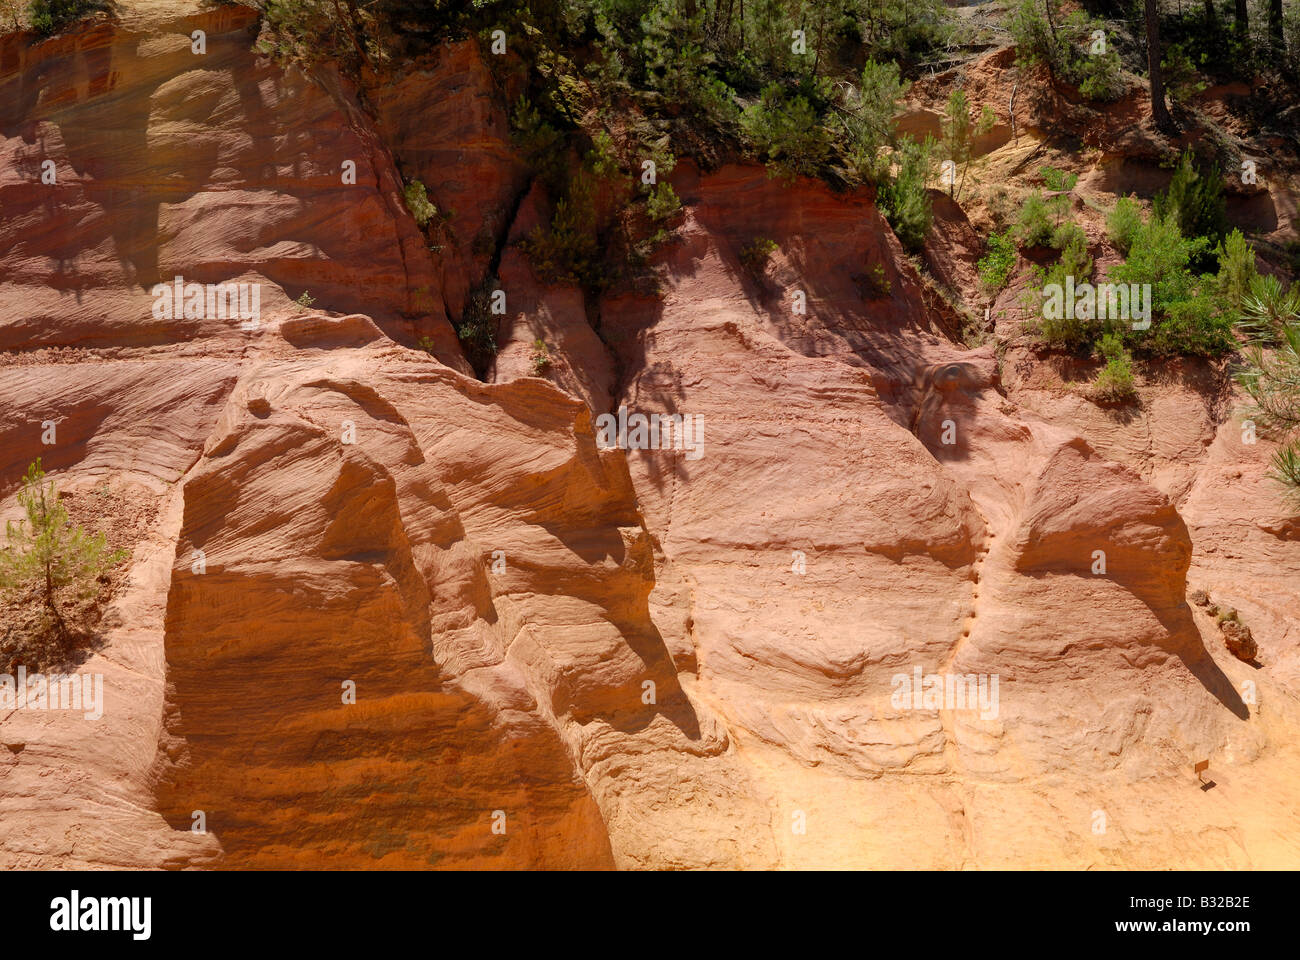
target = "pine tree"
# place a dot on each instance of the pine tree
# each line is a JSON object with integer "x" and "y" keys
{"x": 1271, "y": 379}
{"x": 1159, "y": 112}
{"x": 48, "y": 551}
{"x": 960, "y": 135}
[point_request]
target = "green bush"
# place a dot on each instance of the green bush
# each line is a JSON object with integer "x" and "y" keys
{"x": 477, "y": 330}
{"x": 1101, "y": 76}
{"x": 51, "y": 16}
{"x": 1065, "y": 332}
{"x": 996, "y": 265}
{"x": 540, "y": 359}
{"x": 1180, "y": 74}
{"x": 1189, "y": 316}
{"x": 755, "y": 254}
{"x": 1036, "y": 223}
{"x": 564, "y": 251}
{"x": 870, "y": 119}
{"x": 602, "y": 158}
{"x": 1196, "y": 203}
{"x": 663, "y": 202}
{"x": 1236, "y": 268}
{"x": 1124, "y": 223}
{"x": 1114, "y": 383}
{"x": 1064, "y": 44}
{"x": 960, "y": 133}
{"x": 1069, "y": 235}
{"x": 904, "y": 30}
{"x": 1193, "y": 318}
{"x": 1058, "y": 180}
{"x": 417, "y": 201}
{"x": 903, "y": 199}
{"x": 1197, "y": 326}
{"x": 46, "y": 557}
{"x": 788, "y": 132}
{"x": 1272, "y": 381}
{"x": 1075, "y": 260}
{"x": 539, "y": 141}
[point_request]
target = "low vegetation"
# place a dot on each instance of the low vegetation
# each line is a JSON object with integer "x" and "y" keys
{"x": 1069, "y": 47}
{"x": 755, "y": 254}
{"x": 996, "y": 266}
{"x": 48, "y": 564}
{"x": 1114, "y": 384}
{"x": 51, "y": 16}
{"x": 418, "y": 203}
{"x": 1271, "y": 374}
{"x": 540, "y": 358}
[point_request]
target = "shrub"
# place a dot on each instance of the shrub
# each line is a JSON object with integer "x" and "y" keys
{"x": 1101, "y": 77}
{"x": 1075, "y": 260}
{"x": 1236, "y": 268}
{"x": 539, "y": 141}
{"x": 305, "y": 299}
{"x": 1194, "y": 320}
{"x": 51, "y": 16}
{"x": 541, "y": 357}
{"x": 755, "y": 254}
{"x": 870, "y": 117}
{"x": 1124, "y": 223}
{"x": 663, "y": 202}
{"x": 1036, "y": 41}
{"x": 877, "y": 284}
{"x": 477, "y": 330}
{"x": 568, "y": 250}
{"x": 1058, "y": 180}
{"x": 903, "y": 199}
{"x": 996, "y": 266}
{"x": 1181, "y": 79}
{"x": 49, "y": 555}
{"x": 1066, "y": 332}
{"x": 1035, "y": 224}
{"x": 675, "y": 61}
{"x": 786, "y": 129}
{"x": 960, "y": 134}
{"x": 1195, "y": 202}
{"x": 904, "y": 30}
{"x": 1064, "y": 45}
{"x": 1272, "y": 381}
{"x": 602, "y": 159}
{"x": 1069, "y": 235}
{"x": 1194, "y": 326}
{"x": 417, "y": 201}
{"x": 1114, "y": 383}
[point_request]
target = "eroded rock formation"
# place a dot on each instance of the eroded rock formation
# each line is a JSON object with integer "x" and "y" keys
{"x": 617, "y": 658}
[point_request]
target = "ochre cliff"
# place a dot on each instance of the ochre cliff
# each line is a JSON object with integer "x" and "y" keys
{"x": 617, "y": 659}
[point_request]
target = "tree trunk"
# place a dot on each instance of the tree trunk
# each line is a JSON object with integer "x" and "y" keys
{"x": 59, "y": 628}
{"x": 1159, "y": 113}
{"x": 1275, "y": 24}
{"x": 1243, "y": 18}
{"x": 1211, "y": 19}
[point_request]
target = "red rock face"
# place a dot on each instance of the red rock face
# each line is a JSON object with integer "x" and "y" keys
{"x": 218, "y": 167}
{"x": 390, "y": 616}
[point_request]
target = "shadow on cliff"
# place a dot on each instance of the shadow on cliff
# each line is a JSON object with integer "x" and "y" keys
{"x": 1195, "y": 656}
{"x": 631, "y": 617}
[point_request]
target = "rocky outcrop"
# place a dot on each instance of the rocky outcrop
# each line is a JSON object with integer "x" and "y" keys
{"x": 390, "y": 616}
{"x": 219, "y": 167}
